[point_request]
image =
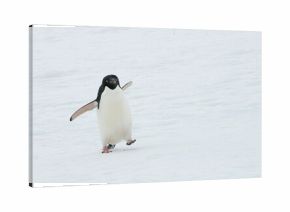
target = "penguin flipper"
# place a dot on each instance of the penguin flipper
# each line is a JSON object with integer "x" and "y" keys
{"x": 84, "y": 109}
{"x": 127, "y": 85}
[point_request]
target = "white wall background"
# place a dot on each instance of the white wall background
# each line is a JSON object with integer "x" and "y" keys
{"x": 271, "y": 192}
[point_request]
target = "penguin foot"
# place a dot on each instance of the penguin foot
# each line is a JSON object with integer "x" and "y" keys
{"x": 106, "y": 149}
{"x": 131, "y": 142}
{"x": 111, "y": 146}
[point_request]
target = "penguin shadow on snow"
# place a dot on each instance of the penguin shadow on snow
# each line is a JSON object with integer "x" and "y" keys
{"x": 121, "y": 150}
{"x": 112, "y": 109}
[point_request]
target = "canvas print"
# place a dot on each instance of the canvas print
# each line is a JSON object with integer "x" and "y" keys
{"x": 137, "y": 105}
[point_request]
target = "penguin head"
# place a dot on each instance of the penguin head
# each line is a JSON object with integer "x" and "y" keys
{"x": 111, "y": 81}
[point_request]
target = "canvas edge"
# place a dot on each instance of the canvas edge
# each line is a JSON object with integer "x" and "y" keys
{"x": 144, "y": 27}
{"x": 30, "y": 119}
{"x": 45, "y": 185}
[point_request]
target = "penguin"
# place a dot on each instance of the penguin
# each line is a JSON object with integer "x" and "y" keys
{"x": 113, "y": 112}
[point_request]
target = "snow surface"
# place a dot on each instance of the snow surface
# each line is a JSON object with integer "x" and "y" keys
{"x": 195, "y": 101}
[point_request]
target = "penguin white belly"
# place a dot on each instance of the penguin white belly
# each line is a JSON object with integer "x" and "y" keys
{"x": 114, "y": 117}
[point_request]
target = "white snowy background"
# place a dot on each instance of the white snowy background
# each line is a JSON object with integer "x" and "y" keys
{"x": 195, "y": 102}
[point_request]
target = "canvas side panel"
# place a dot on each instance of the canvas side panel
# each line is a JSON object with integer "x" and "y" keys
{"x": 30, "y": 105}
